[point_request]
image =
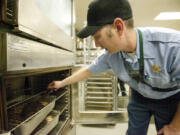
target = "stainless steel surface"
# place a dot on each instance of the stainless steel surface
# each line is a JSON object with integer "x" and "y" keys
{"x": 63, "y": 106}
{"x": 96, "y": 102}
{"x": 49, "y": 20}
{"x": 25, "y": 111}
{"x": 86, "y": 51}
{"x": 21, "y": 99}
{"x": 96, "y": 117}
{"x": 98, "y": 97}
{"x": 58, "y": 129}
{"x": 98, "y": 93}
{"x": 48, "y": 124}
{"x": 100, "y": 78}
{"x": 24, "y": 54}
{"x": 5, "y": 132}
{"x": 64, "y": 117}
{"x": 26, "y": 127}
{"x": 101, "y": 83}
{"x": 100, "y": 87}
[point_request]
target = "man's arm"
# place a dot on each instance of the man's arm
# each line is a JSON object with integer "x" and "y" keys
{"x": 176, "y": 120}
{"x": 80, "y": 75}
{"x": 174, "y": 127}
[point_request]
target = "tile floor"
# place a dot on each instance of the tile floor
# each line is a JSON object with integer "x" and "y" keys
{"x": 117, "y": 129}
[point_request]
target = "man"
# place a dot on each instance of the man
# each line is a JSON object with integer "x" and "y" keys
{"x": 145, "y": 58}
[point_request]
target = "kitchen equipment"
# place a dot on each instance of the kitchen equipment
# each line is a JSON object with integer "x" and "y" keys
{"x": 47, "y": 21}
{"x": 27, "y": 126}
{"x": 98, "y": 94}
{"x": 26, "y": 68}
{"x": 30, "y": 104}
{"x": 48, "y": 124}
{"x": 20, "y": 54}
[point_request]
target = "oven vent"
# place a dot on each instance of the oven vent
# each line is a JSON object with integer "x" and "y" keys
{"x": 10, "y": 11}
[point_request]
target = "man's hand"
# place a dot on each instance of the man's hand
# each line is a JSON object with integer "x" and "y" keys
{"x": 168, "y": 130}
{"x": 80, "y": 75}
{"x": 55, "y": 85}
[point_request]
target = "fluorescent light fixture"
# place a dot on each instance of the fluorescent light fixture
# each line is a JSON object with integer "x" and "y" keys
{"x": 168, "y": 16}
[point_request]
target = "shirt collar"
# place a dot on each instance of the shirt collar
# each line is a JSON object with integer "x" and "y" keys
{"x": 148, "y": 49}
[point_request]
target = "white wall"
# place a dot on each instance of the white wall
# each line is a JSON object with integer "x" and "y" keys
{"x": 144, "y": 12}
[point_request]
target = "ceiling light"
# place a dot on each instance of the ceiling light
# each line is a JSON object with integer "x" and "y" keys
{"x": 168, "y": 16}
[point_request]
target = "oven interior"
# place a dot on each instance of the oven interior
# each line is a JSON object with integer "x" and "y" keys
{"x": 28, "y": 100}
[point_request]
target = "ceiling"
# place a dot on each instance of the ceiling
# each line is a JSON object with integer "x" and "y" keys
{"x": 144, "y": 12}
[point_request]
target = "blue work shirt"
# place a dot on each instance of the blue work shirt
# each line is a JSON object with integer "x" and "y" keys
{"x": 161, "y": 63}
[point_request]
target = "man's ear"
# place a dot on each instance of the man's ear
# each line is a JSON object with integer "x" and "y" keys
{"x": 118, "y": 24}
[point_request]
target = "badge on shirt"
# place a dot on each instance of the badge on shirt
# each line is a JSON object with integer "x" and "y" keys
{"x": 155, "y": 68}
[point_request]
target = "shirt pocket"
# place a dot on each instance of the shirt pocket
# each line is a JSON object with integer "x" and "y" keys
{"x": 159, "y": 80}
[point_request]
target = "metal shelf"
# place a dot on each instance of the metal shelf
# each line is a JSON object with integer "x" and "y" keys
{"x": 96, "y": 78}
{"x": 24, "y": 98}
{"x": 96, "y": 102}
{"x": 100, "y": 83}
{"x": 104, "y": 88}
{"x": 59, "y": 127}
{"x": 99, "y": 98}
{"x": 98, "y": 105}
{"x": 99, "y": 93}
{"x": 62, "y": 94}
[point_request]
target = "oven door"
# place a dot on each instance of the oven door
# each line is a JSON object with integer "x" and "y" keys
{"x": 20, "y": 54}
{"x": 49, "y": 21}
{"x": 97, "y": 101}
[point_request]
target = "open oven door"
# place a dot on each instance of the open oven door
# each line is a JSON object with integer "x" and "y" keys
{"x": 99, "y": 100}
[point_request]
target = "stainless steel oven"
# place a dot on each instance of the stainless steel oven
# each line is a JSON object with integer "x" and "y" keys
{"x": 48, "y": 21}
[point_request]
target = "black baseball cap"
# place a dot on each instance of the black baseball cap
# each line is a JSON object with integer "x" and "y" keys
{"x": 102, "y": 12}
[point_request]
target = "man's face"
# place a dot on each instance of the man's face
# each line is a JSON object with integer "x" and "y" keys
{"x": 108, "y": 38}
